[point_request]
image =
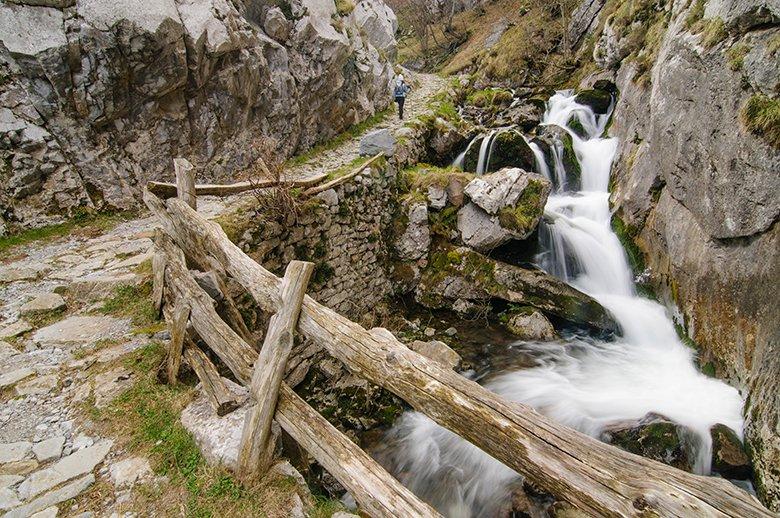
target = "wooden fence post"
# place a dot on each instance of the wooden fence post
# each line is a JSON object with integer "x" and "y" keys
{"x": 254, "y": 453}
{"x": 178, "y": 333}
{"x": 221, "y": 399}
{"x": 185, "y": 182}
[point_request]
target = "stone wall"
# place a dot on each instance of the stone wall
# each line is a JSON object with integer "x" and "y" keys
{"x": 345, "y": 231}
{"x": 97, "y": 96}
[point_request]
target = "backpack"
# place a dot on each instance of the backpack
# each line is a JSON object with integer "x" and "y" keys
{"x": 400, "y": 90}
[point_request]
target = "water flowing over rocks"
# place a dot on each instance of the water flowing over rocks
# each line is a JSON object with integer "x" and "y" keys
{"x": 99, "y": 96}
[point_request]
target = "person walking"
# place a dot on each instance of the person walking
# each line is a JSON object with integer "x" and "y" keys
{"x": 400, "y": 91}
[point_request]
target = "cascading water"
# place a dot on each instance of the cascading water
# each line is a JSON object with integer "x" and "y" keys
{"x": 582, "y": 382}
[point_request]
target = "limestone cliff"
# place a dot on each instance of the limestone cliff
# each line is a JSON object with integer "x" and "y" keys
{"x": 697, "y": 191}
{"x": 96, "y": 96}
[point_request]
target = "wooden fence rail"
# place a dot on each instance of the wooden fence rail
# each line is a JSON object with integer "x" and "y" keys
{"x": 595, "y": 477}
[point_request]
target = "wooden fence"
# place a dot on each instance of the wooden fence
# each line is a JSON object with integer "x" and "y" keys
{"x": 597, "y": 478}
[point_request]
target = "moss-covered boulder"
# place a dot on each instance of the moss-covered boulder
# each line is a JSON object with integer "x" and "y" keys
{"x": 507, "y": 148}
{"x": 528, "y": 323}
{"x": 598, "y": 100}
{"x": 728, "y": 454}
{"x": 460, "y": 273}
{"x": 654, "y": 437}
{"x": 559, "y": 147}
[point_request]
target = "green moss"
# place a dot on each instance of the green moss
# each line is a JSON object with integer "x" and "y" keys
{"x": 575, "y": 125}
{"x": 496, "y": 97}
{"x": 736, "y": 56}
{"x": 684, "y": 338}
{"x": 774, "y": 45}
{"x": 627, "y": 234}
{"x": 444, "y": 222}
{"x": 323, "y": 272}
{"x": 761, "y": 116}
{"x": 523, "y": 217}
{"x": 598, "y": 100}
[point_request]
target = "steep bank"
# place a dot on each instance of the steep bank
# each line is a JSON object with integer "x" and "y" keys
{"x": 96, "y": 96}
{"x": 697, "y": 190}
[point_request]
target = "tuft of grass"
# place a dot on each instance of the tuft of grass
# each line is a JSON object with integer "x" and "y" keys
{"x": 736, "y": 56}
{"x": 344, "y": 7}
{"x": 761, "y": 116}
{"x": 714, "y": 32}
{"x": 82, "y": 222}
{"x": 695, "y": 14}
{"x": 133, "y": 302}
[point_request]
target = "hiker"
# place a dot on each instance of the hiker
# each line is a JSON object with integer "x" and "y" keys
{"x": 400, "y": 91}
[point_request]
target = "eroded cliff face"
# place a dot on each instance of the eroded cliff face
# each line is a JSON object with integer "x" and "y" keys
{"x": 699, "y": 193}
{"x": 97, "y": 96}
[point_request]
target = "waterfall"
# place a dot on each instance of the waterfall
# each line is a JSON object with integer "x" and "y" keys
{"x": 582, "y": 382}
{"x": 485, "y": 150}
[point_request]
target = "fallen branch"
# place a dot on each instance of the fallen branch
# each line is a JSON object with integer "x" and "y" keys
{"x": 168, "y": 190}
{"x": 340, "y": 180}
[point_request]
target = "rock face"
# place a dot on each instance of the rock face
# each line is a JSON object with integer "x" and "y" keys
{"x": 98, "y": 97}
{"x": 698, "y": 193}
{"x": 416, "y": 238}
{"x": 728, "y": 454}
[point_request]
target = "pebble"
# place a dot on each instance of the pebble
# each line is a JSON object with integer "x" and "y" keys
{"x": 450, "y": 331}
{"x": 429, "y": 332}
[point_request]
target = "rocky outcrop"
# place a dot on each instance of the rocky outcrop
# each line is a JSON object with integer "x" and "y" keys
{"x": 98, "y": 96}
{"x": 697, "y": 191}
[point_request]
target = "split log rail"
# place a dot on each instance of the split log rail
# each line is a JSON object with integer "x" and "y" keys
{"x": 598, "y": 479}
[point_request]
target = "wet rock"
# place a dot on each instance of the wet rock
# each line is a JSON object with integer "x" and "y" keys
{"x": 128, "y": 472}
{"x": 511, "y": 150}
{"x": 556, "y": 140}
{"x": 49, "y": 449}
{"x": 531, "y": 325}
{"x": 654, "y": 437}
{"x": 461, "y": 273}
{"x": 10, "y": 379}
{"x": 14, "y": 451}
{"x": 437, "y": 351}
{"x": 72, "y": 466}
{"x": 376, "y": 142}
{"x": 728, "y": 454}
{"x": 598, "y": 100}
{"x": 66, "y": 492}
{"x": 80, "y": 329}
{"x": 45, "y": 303}
{"x": 413, "y": 243}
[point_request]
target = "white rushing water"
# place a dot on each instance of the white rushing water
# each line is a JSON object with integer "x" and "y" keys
{"x": 582, "y": 382}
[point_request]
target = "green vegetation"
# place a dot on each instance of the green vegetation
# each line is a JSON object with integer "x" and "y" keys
{"x": 84, "y": 222}
{"x": 344, "y": 7}
{"x": 134, "y": 302}
{"x": 421, "y": 176}
{"x": 774, "y": 45}
{"x": 627, "y": 234}
{"x": 352, "y": 132}
{"x": 736, "y": 56}
{"x": 714, "y": 32}
{"x": 761, "y": 116}
{"x": 145, "y": 421}
{"x": 489, "y": 97}
{"x": 695, "y": 14}
{"x": 522, "y": 218}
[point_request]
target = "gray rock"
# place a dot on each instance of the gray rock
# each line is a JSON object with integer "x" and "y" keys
{"x": 26, "y": 272}
{"x": 437, "y": 351}
{"x": 276, "y": 25}
{"x": 37, "y": 386}
{"x": 81, "y": 329}
{"x": 531, "y": 326}
{"x": 49, "y": 449}
{"x": 128, "y": 472}
{"x": 329, "y": 197}
{"x": 13, "y": 330}
{"x": 14, "y": 451}
{"x": 376, "y": 142}
{"x": 49, "y": 512}
{"x": 66, "y": 492}
{"x": 437, "y": 197}
{"x": 10, "y": 379}
{"x": 416, "y": 238}
{"x": 9, "y": 481}
{"x": 217, "y": 437}
{"x": 8, "y": 499}
{"x": 109, "y": 385}
{"x": 72, "y": 466}
{"x": 583, "y": 21}
{"x": 479, "y": 230}
{"x": 45, "y": 303}
{"x": 495, "y": 191}
{"x": 7, "y": 350}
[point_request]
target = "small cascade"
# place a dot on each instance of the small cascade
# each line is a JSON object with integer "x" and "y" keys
{"x": 485, "y": 150}
{"x": 582, "y": 381}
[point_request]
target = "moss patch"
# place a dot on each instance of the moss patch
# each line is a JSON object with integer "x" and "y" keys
{"x": 627, "y": 234}
{"x": 523, "y": 217}
{"x": 761, "y": 116}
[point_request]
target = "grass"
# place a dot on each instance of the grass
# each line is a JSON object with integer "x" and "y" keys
{"x": 145, "y": 421}
{"x": 736, "y": 56}
{"x": 344, "y": 7}
{"x": 761, "y": 116}
{"x": 134, "y": 302}
{"x": 83, "y": 223}
{"x": 714, "y": 32}
{"x": 353, "y": 132}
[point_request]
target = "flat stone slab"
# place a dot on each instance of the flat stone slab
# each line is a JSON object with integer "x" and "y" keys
{"x": 26, "y": 272}
{"x": 14, "y": 451}
{"x": 49, "y": 512}
{"x": 101, "y": 285}
{"x": 55, "y": 497}
{"x": 72, "y": 466}
{"x": 13, "y": 330}
{"x": 7, "y": 350}
{"x": 128, "y": 472}
{"x": 8, "y": 499}
{"x": 81, "y": 329}
{"x": 10, "y": 379}
{"x": 110, "y": 384}
{"x": 49, "y": 449}
{"x": 37, "y": 386}
{"x": 44, "y": 303}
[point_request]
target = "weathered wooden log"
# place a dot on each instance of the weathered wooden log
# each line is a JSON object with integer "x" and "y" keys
{"x": 185, "y": 182}
{"x": 269, "y": 371}
{"x": 222, "y": 400}
{"x": 593, "y": 476}
{"x": 179, "y": 321}
{"x": 158, "y": 281}
{"x": 213, "y": 283}
{"x": 340, "y": 180}
{"x": 377, "y": 492}
{"x": 168, "y": 190}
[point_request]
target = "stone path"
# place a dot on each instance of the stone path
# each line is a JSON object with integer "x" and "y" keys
{"x": 57, "y": 351}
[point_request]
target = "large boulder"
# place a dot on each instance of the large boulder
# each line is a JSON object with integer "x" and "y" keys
{"x": 460, "y": 273}
{"x": 413, "y": 242}
{"x": 654, "y": 437}
{"x": 728, "y": 454}
{"x": 557, "y": 146}
{"x": 96, "y": 100}
{"x": 506, "y": 148}
{"x": 504, "y": 205}
{"x": 379, "y": 141}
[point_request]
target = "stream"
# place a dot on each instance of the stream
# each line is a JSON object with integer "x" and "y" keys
{"x": 581, "y": 381}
